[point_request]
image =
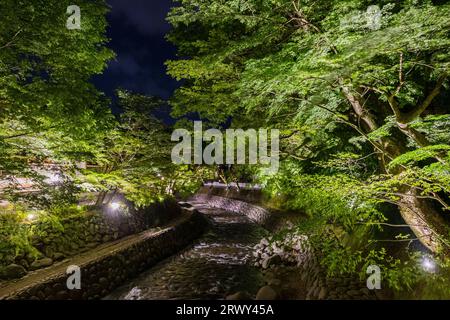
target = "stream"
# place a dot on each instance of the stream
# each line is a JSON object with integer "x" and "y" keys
{"x": 216, "y": 265}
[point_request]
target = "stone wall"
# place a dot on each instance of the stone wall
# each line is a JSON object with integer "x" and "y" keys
{"x": 318, "y": 285}
{"x": 112, "y": 267}
{"x": 244, "y": 193}
{"x": 255, "y": 213}
{"x": 321, "y": 287}
{"x": 70, "y": 236}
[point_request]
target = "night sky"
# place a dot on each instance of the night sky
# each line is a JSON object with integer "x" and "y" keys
{"x": 137, "y": 31}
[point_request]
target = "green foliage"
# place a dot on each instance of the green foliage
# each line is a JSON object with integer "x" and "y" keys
{"x": 337, "y": 198}
{"x": 356, "y": 100}
{"x": 49, "y": 110}
{"x": 14, "y": 236}
{"x": 436, "y": 127}
{"x": 425, "y": 153}
{"x": 344, "y": 214}
{"x": 45, "y": 67}
{"x": 134, "y": 157}
{"x": 383, "y": 131}
{"x": 20, "y": 227}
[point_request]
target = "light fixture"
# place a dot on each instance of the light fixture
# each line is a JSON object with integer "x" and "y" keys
{"x": 54, "y": 178}
{"x": 115, "y": 205}
{"x": 428, "y": 264}
{"x": 31, "y": 217}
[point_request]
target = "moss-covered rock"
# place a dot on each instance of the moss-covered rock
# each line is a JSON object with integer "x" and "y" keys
{"x": 12, "y": 271}
{"x": 41, "y": 263}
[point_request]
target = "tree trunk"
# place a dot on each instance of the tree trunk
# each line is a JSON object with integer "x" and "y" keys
{"x": 359, "y": 109}
{"x": 100, "y": 198}
{"x": 426, "y": 223}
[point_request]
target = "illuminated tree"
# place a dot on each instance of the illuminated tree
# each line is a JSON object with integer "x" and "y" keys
{"x": 345, "y": 80}
{"x": 49, "y": 110}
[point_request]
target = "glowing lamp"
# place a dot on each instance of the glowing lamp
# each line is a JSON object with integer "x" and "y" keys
{"x": 114, "y": 205}
{"x": 428, "y": 264}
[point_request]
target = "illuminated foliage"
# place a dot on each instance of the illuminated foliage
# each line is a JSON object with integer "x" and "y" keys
{"x": 358, "y": 92}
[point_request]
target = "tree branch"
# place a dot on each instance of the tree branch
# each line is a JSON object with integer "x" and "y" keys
{"x": 12, "y": 40}
{"x": 412, "y": 115}
{"x": 23, "y": 134}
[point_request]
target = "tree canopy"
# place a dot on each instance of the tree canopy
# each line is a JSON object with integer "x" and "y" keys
{"x": 49, "y": 109}
{"x": 358, "y": 88}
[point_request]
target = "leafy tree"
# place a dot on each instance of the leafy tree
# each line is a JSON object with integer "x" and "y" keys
{"x": 339, "y": 78}
{"x": 49, "y": 110}
{"x": 134, "y": 157}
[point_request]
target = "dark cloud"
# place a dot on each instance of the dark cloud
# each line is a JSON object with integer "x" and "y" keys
{"x": 147, "y": 16}
{"x": 137, "y": 30}
{"x": 125, "y": 65}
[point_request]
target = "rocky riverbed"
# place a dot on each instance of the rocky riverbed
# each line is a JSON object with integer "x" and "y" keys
{"x": 225, "y": 263}
{"x": 219, "y": 264}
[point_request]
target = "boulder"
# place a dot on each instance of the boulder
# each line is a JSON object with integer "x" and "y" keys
{"x": 365, "y": 291}
{"x": 12, "y": 271}
{"x": 58, "y": 256}
{"x": 24, "y": 263}
{"x": 106, "y": 238}
{"x": 266, "y": 293}
{"x": 48, "y": 251}
{"x": 354, "y": 293}
{"x": 274, "y": 260}
{"x": 274, "y": 282}
{"x": 91, "y": 245}
{"x": 239, "y": 296}
{"x": 323, "y": 293}
{"x": 62, "y": 295}
{"x": 41, "y": 263}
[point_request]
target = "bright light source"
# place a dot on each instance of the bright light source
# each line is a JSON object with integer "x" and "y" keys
{"x": 53, "y": 178}
{"x": 31, "y": 217}
{"x": 428, "y": 264}
{"x": 115, "y": 205}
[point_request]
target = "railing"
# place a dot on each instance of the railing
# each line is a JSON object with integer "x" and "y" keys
{"x": 241, "y": 185}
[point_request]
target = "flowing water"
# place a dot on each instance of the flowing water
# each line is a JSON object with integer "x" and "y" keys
{"x": 218, "y": 264}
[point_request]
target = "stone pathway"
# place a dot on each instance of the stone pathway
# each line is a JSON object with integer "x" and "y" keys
{"x": 216, "y": 265}
{"x": 10, "y": 288}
